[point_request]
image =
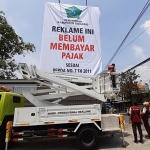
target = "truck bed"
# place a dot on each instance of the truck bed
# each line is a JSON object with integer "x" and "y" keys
{"x": 56, "y": 115}
{"x": 83, "y": 114}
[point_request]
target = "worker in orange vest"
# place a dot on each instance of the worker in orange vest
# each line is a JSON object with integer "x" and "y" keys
{"x": 135, "y": 118}
{"x": 144, "y": 116}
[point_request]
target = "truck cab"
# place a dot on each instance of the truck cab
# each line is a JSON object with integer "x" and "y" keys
{"x": 8, "y": 102}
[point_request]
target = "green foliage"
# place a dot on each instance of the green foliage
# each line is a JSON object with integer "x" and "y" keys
{"x": 10, "y": 45}
{"x": 128, "y": 85}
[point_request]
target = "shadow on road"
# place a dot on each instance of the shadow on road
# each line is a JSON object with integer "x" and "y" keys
{"x": 54, "y": 144}
{"x": 115, "y": 141}
{"x": 105, "y": 142}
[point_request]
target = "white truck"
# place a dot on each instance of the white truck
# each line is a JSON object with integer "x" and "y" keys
{"x": 50, "y": 119}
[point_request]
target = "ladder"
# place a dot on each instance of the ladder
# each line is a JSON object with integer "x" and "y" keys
{"x": 62, "y": 85}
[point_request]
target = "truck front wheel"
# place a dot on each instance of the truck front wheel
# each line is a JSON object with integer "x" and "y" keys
{"x": 87, "y": 138}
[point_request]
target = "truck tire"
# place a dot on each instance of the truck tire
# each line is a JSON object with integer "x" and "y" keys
{"x": 87, "y": 138}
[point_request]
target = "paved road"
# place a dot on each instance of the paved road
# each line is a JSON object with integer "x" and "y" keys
{"x": 68, "y": 144}
{"x": 105, "y": 142}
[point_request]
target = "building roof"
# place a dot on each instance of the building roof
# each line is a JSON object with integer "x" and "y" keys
{"x": 16, "y": 81}
{"x": 140, "y": 86}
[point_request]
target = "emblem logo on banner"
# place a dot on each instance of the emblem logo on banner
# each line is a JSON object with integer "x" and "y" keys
{"x": 73, "y": 12}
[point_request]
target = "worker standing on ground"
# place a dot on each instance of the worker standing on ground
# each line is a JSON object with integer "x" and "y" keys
{"x": 135, "y": 118}
{"x": 144, "y": 116}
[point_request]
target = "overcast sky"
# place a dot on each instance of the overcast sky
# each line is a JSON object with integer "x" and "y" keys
{"x": 116, "y": 19}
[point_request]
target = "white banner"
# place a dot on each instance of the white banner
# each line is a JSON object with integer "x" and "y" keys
{"x": 71, "y": 39}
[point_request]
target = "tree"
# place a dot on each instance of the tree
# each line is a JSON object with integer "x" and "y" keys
{"x": 128, "y": 85}
{"x": 10, "y": 45}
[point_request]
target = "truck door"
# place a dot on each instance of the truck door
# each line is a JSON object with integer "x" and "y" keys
{"x": 14, "y": 102}
{"x": 0, "y": 101}
{"x": 0, "y": 109}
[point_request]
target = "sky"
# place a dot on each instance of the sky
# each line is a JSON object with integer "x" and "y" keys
{"x": 116, "y": 19}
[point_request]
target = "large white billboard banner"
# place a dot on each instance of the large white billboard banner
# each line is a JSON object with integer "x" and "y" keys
{"x": 71, "y": 39}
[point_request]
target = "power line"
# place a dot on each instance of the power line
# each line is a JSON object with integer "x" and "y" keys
{"x": 143, "y": 62}
{"x": 133, "y": 40}
{"x": 137, "y": 58}
{"x": 140, "y": 57}
{"x": 138, "y": 18}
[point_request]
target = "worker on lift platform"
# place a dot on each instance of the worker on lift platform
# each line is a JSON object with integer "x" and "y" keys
{"x": 112, "y": 68}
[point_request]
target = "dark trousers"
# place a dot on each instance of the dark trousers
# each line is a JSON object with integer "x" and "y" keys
{"x": 147, "y": 127}
{"x": 135, "y": 126}
{"x": 113, "y": 81}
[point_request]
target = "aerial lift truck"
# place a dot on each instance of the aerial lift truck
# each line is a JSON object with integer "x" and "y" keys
{"x": 50, "y": 119}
